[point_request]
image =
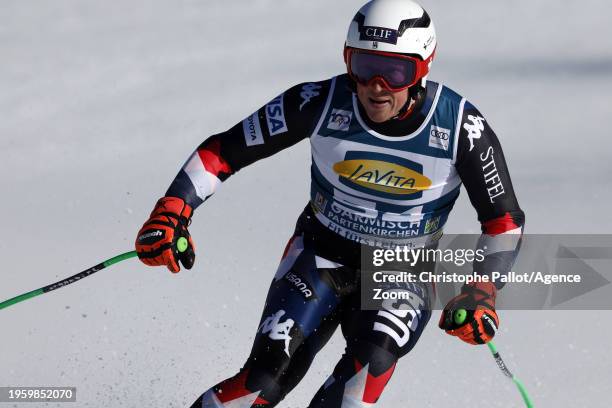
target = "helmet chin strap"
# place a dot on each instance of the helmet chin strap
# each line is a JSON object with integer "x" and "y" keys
{"x": 414, "y": 94}
{"x": 406, "y": 110}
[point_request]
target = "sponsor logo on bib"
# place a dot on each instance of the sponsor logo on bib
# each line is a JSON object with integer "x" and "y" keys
{"x": 340, "y": 120}
{"x": 439, "y": 137}
{"x": 383, "y": 176}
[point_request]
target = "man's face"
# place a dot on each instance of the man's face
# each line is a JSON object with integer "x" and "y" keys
{"x": 380, "y": 104}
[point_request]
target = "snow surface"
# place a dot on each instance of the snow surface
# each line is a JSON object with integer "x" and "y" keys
{"x": 102, "y": 101}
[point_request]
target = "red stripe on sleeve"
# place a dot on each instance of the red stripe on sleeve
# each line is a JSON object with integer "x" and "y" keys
{"x": 213, "y": 162}
{"x": 499, "y": 225}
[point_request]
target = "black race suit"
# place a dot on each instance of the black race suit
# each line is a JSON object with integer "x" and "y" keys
{"x": 374, "y": 184}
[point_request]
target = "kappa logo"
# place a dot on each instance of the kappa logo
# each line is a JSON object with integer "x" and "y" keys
{"x": 475, "y": 129}
{"x": 381, "y": 34}
{"x": 252, "y": 130}
{"x": 340, "y": 120}
{"x": 439, "y": 137}
{"x": 276, "y": 329}
{"x": 309, "y": 91}
{"x": 275, "y": 116}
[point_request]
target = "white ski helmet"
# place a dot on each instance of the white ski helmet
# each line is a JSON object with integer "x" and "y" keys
{"x": 394, "y": 26}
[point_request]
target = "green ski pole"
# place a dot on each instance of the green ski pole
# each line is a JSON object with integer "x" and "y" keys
{"x": 181, "y": 245}
{"x": 502, "y": 366}
{"x": 459, "y": 317}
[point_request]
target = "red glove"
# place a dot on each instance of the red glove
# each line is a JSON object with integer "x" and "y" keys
{"x": 156, "y": 243}
{"x": 471, "y": 315}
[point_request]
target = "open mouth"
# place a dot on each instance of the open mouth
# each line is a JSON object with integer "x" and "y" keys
{"x": 378, "y": 102}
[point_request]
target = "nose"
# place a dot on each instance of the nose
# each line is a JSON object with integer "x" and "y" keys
{"x": 376, "y": 84}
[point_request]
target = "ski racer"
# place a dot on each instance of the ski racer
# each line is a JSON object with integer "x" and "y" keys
{"x": 390, "y": 151}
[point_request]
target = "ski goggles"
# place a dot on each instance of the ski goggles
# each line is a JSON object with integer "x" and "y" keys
{"x": 396, "y": 71}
